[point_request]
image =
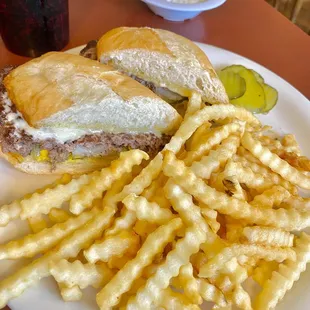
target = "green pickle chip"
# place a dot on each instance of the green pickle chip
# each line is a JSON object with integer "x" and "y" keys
{"x": 246, "y": 88}
{"x": 234, "y": 84}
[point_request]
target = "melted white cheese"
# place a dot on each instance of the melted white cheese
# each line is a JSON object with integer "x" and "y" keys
{"x": 62, "y": 135}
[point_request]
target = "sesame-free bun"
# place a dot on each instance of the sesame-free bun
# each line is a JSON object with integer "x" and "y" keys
{"x": 73, "y": 107}
{"x": 60, "y": 90}
{"x": 163, "y": 58}
{"x": 76, "y": 166}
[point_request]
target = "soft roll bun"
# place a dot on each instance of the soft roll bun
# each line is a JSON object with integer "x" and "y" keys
{"x": 61, "y": 90}
{"x": 65, "y": 113}
{"x": 164, "y": 59}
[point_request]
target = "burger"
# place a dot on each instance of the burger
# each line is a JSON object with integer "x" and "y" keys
{"x": 170, "y": 65}
{"x": 64, "y": 113}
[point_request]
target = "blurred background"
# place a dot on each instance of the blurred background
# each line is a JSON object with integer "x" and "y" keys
{"x": 298, "y": 11}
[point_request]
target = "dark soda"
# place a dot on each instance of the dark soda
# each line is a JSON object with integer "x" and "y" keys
{"x": 34, "y": 27}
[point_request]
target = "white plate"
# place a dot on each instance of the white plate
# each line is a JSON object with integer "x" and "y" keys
{"x": 291, "y": 115}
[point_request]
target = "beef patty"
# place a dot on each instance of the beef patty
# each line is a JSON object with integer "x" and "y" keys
{"x": 15, "y": 140}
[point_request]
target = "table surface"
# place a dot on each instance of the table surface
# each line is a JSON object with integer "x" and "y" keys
{"x": 250, "y": 28}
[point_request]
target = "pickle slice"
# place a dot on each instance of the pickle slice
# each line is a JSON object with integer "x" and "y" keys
{"x": 271, "y": 97}
{"x": 254, "y": 97}
{"x": 258, "y": 77}
{"x": 238, "y": 68}
{"x": 234, "y": 84}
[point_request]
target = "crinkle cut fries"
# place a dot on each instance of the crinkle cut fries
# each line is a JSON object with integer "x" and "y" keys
{"x": 218, "y": 205}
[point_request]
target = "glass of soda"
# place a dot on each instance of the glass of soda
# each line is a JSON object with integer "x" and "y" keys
{"x": 34, "y": 27}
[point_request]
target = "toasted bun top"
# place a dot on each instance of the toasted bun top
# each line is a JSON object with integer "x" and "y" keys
{"x": 68, "y": 91}
{"x": 164, "y": 58}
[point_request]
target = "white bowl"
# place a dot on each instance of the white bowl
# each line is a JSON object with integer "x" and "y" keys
{"x": 179, "y": 12}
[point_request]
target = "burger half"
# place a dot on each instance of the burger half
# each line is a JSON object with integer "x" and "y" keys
{"x": 170, "y": 65}
{"x": 66, "y": 113}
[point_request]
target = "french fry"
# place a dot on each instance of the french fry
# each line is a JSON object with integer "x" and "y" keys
{"x": 113, "y": 246}
{"x": 296, "y": 202}
{"x": 150, "y": 191}
{"x": 84, "y": 198}
{"x": 264, "y": 252}
{"x": 190, "y": 125}
{"x": 232, "y": 187}
{"x": 234, "y": 229}
{"x": 248, "y": 262}
{"x": 124, "y": 222}
{"x": 237, "y": 274}
{"x": 214, "y": 138}
{"x": 183, "y": 204}
{"x": 190, "y": 214}
{"x": 194, "y": 104}
{"x": 198, "y": 260}
{"x": 210, "y": 292}
{"x": 118, "y": 262}
{"x": 208, "y": 164}
{"x": 179, "y": 256}
{"x": 37, "y": 223}
{"x": 290, "y": 144}
{"x": 144, "y": 228}
{"x": 172, "y": 300}
{"x": 42, "y": 203}
{"x": 12, "y": 211}
{"x": 147, "y": 211}
{"x": 189, "y": 284}
{"x": 247, "y": 176}
{"x": 27, "y": 276}
{"x": 263, "y": 271}
{"x": 268, "y": 236}
{"x": 133, "y": 290}
{"x": 241, "y": 298}
{"x": 73, "y": 293}
{"x": 161, "y": 199}
{"x": 275, "y": 163}
{"x": 143, "y": 180}
{"x": 44, "y": 240}
{"x": 149, "y": 270}
{"x": 282, "y": 280}
{"x": 223, "y": 282}
{"x": 116, "y": 188}
{"x": 299, "y": 162}
{"x": 210, "y": 217}
{"x": 272, "y": 143}
{"x": 270, "y": 198}
{"x": 248, "y": 156}
{"x": 267, "y": 173}
{"x": 110, "y": 294}
{"x": 229, "y": 307}
{"x": 153, "y": 192}
{"x": 58, "y": 215}
{"x": 289, "y": 219}
{"x": 198, "y": 136}
{"x": 79, "y": 274}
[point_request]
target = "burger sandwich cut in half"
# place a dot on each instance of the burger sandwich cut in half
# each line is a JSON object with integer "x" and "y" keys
{"x": 170, "y": 65}
{"x": 66, "y": 113}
